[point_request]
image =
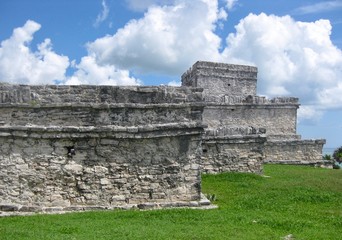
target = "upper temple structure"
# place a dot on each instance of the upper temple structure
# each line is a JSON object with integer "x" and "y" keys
{"x": 103, "y": 147}
{"x": 245, "y": 130}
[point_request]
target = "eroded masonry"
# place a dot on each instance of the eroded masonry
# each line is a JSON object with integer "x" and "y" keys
{"x": 91, "y": 147}
{"x": 245, "y": 130}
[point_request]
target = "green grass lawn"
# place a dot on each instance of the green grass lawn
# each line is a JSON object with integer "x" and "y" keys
{"x": 303, "y": 201}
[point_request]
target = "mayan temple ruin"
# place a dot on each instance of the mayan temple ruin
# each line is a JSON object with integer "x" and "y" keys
{"x": 245, "y": 130}
{"x": 66, "y": 148}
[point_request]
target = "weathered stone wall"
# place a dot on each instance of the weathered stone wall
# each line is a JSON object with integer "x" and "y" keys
{"x": 219, "y": 79}
{"x": 277, "y": 119}
{"x": 97, "y": 105}
{"x": 238, "y": 153}
{"x": 39, "y": 171}
{"x": 232, "y": 106}
{"x": 304, "y": 151}
{"x": 83, "y": 147}
{"x": 53, "y": 94}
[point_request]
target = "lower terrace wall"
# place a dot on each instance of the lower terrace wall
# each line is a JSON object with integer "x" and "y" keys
{"x": 68, "y": 170}
{"x": 239, "y": 153}
{"x": 298, "y": 152}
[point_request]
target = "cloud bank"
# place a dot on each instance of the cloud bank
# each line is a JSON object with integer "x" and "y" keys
{"x": 89, "y": 72}
{"x": 19, "y": 64}
{"x": 293, "y": 58}
{"x": 168, "y": 39}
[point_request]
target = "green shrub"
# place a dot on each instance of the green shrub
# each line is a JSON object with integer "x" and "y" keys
{"x": 336, "y": 166}
{"x": 338, "y": 155}
{"x": 327, "y": 157}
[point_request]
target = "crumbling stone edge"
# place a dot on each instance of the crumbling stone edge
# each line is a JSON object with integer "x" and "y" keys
{"x": 321, "y": 164}
{"x": 19, "y": 210}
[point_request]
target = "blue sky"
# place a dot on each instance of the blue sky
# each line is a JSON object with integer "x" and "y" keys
{"x": 296, "y": 46}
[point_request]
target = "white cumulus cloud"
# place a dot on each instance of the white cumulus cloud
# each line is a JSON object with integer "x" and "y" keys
{"x": 89, "y": 72}
{"x": 309, "y": 114}
{"x": 293, "y": 58}
{"x": 19, "y": 64}
{"x": 231, "y": 3}
{"x": 168, "y": 39}
{"x": 175, "y": 83}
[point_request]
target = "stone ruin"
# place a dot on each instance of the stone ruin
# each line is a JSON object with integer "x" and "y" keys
{"x": 66, "y": 148}
{"x": 245, "y": 130}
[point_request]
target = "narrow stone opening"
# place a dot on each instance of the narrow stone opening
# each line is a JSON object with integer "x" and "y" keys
{"x": 71, "y": 151}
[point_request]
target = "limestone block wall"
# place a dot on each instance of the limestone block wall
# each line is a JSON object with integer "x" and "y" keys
{"x": 236, "y": 153}
{"x": 232, "y": 106}
{"x": 71, "y": 170}
{"x": 276, "y": 118}
{"x": 33, "y": 95}
{"x": 219, "y": 79}
{"x": 294, "y": 151}
{"x": 84, "y": 147}
{"x": 97, "y": 105}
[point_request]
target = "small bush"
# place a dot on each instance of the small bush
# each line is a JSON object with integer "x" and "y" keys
{"x": 336, "y": 166}
{"x": 338, "y": 155}
{"x": 327, "y": 157}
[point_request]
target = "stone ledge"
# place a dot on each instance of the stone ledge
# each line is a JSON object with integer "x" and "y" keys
{"x": 323, "y": 163}
{"x": 220, "y": 105}
{"x": 47, "y": 94}
{"x": 295, "y": 141}
{"x": 233, "y": 131}
{"x": 250, "y": 99}
{"x": 283, "y": 137}
{"x": 103, "y": 105}
{"x": 236, "y": 138}
{"x": 20, "y": 210}
{"x": 147, "y": 131}
{"x": 220, "y": 67}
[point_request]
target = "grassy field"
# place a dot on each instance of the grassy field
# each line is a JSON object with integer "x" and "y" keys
{"x": 302, "y": 201}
